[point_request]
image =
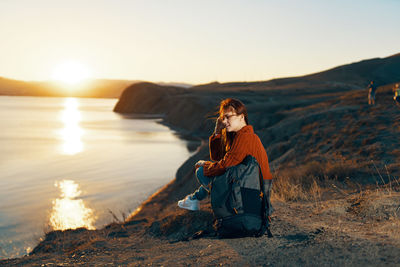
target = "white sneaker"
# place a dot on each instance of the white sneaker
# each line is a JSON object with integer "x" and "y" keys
{"x": 189, "y": 204}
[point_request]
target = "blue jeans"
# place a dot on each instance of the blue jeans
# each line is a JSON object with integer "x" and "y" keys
{"x": 202, "y": 192}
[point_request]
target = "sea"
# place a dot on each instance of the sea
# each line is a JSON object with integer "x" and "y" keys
{"x": 73, "y": 162}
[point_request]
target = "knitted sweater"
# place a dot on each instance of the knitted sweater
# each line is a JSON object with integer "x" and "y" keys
{"x": 245, "y": 143}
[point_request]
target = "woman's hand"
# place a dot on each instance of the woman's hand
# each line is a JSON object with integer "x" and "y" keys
{"x": 218, "y": 126}
{"x": 199, "y": 164}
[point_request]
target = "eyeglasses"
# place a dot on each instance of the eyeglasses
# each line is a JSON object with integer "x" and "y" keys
{"x": 228, "y": 117}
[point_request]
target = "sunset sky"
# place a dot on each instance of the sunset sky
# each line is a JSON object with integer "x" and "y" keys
{"x": 192, "y": 41}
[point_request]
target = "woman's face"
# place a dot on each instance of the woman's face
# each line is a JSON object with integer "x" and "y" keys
{"x": 232, "y": 121}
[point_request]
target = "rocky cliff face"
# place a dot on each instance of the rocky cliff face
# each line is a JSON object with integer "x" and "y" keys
{"x": 182, "y": 108}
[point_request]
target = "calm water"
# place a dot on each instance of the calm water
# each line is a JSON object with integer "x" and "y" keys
{"x": 68, "y": 162}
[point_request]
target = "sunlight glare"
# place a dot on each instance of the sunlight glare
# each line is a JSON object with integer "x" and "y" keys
{"x": 71, "y": 72}
{"x": 69, "y": 212}
{"x": 72, "y": 132}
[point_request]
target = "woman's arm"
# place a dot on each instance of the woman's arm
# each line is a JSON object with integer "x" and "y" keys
{"x": 233, "y": 157}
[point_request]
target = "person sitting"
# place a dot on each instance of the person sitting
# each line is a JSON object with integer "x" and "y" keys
{"x": 233, "y": 139}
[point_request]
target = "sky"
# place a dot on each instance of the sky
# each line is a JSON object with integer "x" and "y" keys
{"x": 192, "y": 41}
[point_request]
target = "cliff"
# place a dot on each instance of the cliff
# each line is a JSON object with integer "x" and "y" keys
{"x": 328, "y": 127}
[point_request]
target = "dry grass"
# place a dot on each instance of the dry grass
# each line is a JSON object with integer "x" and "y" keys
{"x": 309, "y": 181}
{"x": 369, "y": 211}
{"x": 116, "y": 219}
{"x": 379, "y": 208}
{"x": 306, "y": 182}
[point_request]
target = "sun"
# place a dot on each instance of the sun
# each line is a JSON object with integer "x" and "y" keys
{"x": 71, "y": 72}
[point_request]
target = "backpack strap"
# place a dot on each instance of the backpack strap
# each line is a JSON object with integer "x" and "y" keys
{"x": 265, "y": 219}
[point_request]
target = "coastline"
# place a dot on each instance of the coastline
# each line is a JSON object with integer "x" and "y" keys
{"x": 161, "y": 234}
{"x": 139, "y": 222}
{"x": 300, "y": 128}
{"x": 194, "y": 143}
{"x": 38, "y": 202}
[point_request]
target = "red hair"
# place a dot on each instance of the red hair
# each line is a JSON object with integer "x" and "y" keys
{"x": 236, "y": 106}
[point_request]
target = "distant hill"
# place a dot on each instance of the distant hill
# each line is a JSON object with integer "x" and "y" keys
{"x": 101, "y": 88}
{"x": 381, "y": 70}
{"x": 183, "y": 85}
{"x": 343, "y": 78}
{"x": 346, "y": 77}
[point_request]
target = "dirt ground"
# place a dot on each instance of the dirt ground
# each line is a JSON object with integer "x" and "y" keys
{"x": 360, "y": 229}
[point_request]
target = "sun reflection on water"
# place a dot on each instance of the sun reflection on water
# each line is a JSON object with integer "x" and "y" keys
{"x": 68, "y": 211}
{"x": 72, "y": 132}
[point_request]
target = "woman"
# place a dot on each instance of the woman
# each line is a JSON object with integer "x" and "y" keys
{"x": 233, "y": 139}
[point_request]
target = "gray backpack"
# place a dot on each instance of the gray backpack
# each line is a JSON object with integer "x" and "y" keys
{"x": 240, "y": 201}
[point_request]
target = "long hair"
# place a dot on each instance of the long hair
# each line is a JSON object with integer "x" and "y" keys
{"x": 236, "y": 106}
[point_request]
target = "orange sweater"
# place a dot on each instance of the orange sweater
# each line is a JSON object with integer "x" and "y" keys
{"x": 245, "y": 143}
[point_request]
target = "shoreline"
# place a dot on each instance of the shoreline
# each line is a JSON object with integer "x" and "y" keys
{"x": 305, "y": 233}
{"x": 106, "y": 219}
{"x": 143, "y": 214}
{"x": 193, "y": 143}
{"x": 315, "y": 134}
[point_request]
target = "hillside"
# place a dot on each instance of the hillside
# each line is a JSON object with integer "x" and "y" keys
{"x": 342, "y": 78}
{"x": 305, "y": 120}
